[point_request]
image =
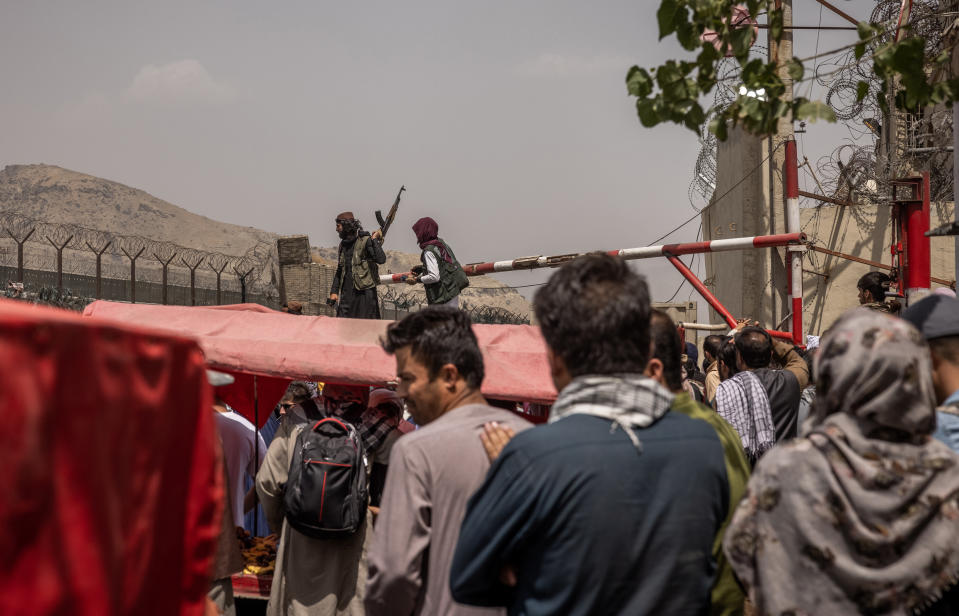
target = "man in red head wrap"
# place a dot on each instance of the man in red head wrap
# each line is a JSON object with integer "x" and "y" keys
{"x": 441, "y": 274}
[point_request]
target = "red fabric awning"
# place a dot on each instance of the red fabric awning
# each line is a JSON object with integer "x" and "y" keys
{"x": 256, "y": 340}
{"x": 110, "y": 493}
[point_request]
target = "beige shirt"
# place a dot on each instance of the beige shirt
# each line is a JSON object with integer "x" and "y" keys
{"x": 712, "y": 381}
{"x": 313, "y": 577}
{"x": 433, "y": 472}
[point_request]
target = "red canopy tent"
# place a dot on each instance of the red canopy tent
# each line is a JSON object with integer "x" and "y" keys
{"x": 250, "y": 340}
{"x": 109, "y": 502}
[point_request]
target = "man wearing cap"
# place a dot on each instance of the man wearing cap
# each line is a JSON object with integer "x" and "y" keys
{"x": 357, "y": 271}
{"x": 937, "y": 318}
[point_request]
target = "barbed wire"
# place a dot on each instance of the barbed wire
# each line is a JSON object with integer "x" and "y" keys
{"x": 860, "y": 170}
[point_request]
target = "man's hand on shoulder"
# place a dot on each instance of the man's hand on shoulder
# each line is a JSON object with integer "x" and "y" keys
{"x": 494, "y": 437}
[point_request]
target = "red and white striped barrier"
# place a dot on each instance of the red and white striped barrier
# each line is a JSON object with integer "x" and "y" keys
{"x": 646, "y": 252}
{"x": 795, "y": 253}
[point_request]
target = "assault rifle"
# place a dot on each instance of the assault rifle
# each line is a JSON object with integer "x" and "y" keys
{"x": 385, "y": 224}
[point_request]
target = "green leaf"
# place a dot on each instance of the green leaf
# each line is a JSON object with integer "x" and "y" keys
{"x": 741, "y": 39}
{"x": 717, "y": 126}
{"x": 667, "y": 17}
{"x": 795, "y": 69}
{"x": 860, "y": 50}
{"x": 812, "y": 111}
{"x": 638, "y": 82}
{"x": 687, "y": 35}
{"x": 776, "y": 24}
{"x": 862, "y": 89}
{"x": 695, "y": 116}
{"x": 646, "y": 109}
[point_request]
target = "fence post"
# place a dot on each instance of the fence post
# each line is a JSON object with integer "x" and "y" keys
{"x": 99, "y": 254}
{"x": 133, "y": 271}
{"x": 242, "y": 277}
{"x": 20, "y": 243}
{"x": 166, "y": 249}
{"x": 59, "y": 250}
{"x": 191, "y": 265}
{"x": 217, "y": 263}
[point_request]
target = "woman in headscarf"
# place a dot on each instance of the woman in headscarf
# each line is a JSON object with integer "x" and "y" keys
{"x": 860, "y": 515}
{"x": 441, "y": 274}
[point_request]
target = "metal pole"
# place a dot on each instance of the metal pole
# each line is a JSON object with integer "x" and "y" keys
{"x": 915, "y": 220}
{"x": 955, "y": 174}
{"x": 645, "y": 252}
{"x": 713, "y": 301}
{"x": 795, "y": 253}
{"x": 706, "y": 293}
{"x": 256, "y": 451}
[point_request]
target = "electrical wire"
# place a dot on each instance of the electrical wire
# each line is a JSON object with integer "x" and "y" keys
{"x": 720, "y": 197}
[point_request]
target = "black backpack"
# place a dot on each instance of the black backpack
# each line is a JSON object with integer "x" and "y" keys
{"x": 326, "y": 492}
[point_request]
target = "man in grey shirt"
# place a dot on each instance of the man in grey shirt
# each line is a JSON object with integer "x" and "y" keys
{"x": 434, "y": 470}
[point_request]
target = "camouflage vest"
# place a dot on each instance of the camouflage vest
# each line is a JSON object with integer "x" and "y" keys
{"x": 366, "y": 274}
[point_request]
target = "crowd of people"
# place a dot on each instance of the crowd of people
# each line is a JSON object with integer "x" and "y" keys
{"x": 773, "y": 481}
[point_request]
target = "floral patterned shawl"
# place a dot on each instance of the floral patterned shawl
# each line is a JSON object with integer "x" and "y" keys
{"x": 861, "y": 515}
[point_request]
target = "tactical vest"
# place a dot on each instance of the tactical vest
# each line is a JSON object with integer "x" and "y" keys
{"x": 366, "y": 274}
{"x": 452, "y": 277}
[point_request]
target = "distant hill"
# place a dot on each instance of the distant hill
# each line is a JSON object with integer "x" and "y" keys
{"x": 54, "y": 194}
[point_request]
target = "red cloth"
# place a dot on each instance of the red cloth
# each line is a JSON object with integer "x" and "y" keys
{"x": 426, "y": 231}
{"x": 270, "y": 343}
{"x": 253, "y": 402}
{"x": 110, "y": 489}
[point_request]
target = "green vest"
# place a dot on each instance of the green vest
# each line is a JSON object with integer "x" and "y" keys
{"x": 366, "y": 274}
{"x": 452, "y": 277}
{"x": 726, "y": 597}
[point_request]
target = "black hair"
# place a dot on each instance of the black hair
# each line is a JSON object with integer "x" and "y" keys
{"x": 594, "y": 315}
{"x": 667, "y": 348}
{"x": 809, "y": 356}
{"x": 712, "y": 344}
{"x": 877, "y": 283}
{"x": 297, "y": 392}
{"x": 439, "y": 335}
{"x": 755, "y": 345}
{"x": 727, "y": 355}
{"x": 946, "y": 347}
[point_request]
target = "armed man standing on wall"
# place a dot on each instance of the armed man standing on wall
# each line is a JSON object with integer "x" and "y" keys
{"x": 357, "y": 271}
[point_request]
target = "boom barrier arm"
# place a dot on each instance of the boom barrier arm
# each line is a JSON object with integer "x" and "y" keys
{"x": 646, "y": 252}
{"x": 670, "y": 251}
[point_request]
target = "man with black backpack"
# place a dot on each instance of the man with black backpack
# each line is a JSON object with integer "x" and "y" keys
{"x": 314, "y": 488}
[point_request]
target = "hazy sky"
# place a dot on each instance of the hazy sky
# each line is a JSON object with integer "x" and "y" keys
{"x": 508, "y": 122}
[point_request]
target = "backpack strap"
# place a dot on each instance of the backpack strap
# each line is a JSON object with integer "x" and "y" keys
{"x": 312, "y": 411}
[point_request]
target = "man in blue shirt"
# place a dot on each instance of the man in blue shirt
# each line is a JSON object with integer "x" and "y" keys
{"x": 937, "y": 318}
{"x": 613, "y": 507}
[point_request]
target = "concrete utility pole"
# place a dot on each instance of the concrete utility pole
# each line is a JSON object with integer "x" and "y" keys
{"x": 955, "y": 145}
{"x": 773, "y": 299}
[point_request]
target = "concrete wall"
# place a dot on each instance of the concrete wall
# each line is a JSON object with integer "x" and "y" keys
{"x": 309, "y": 284}
{"x": 739, "y": 209}
{"x": 752, "y": 283}
{"x": 829, "y": 283}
